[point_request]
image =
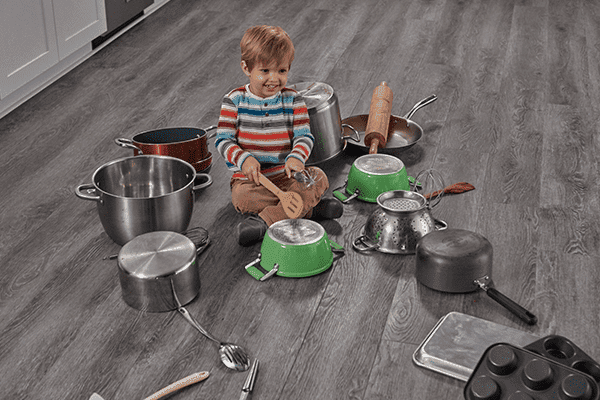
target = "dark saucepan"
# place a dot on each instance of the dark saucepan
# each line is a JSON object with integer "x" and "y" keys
{"x": 460, "y": 261}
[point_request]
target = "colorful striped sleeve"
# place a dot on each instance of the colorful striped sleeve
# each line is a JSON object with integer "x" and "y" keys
{"x": 226, "y": 141}
{"x": 303, "y": 140}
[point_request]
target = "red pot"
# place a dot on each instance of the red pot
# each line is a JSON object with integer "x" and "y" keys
{"x": 187, "y": 144}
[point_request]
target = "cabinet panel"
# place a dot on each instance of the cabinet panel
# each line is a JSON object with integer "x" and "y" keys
{"x": 78, "y": 22}
{"x": 27, "y": 42}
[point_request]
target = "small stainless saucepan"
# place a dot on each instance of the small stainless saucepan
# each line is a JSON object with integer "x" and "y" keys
{"x": 158, "y": 272}
{"x": 460, "y": 261}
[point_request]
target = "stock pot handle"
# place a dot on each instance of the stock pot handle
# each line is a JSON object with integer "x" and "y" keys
{"x": 252, "y": 270}
{"x": 86, "y": 192}
{"x": 208, "y": 182}
{"x": 339, "y": 193}
{"x": 213, "y": 134}
{"x": 346, "y": 138}
{"x": 128, "y": 143}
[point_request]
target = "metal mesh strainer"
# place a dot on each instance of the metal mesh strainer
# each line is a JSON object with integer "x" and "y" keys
{"x": 296, "y": 231}
{"x": 401, "y": 204}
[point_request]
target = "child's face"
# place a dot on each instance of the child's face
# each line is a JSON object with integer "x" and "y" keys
{"x": 267, "y": 80}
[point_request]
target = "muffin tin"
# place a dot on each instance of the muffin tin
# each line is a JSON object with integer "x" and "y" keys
{"x": 563, "y": 351}
{"x": 506, "y": 372}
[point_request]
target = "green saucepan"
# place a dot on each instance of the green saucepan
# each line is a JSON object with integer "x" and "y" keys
{"x": 294, "y": 248}
{"x": 372, "y": 175}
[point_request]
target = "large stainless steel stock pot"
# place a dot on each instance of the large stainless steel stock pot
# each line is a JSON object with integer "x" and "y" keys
{"x": 325, "y": 121}
{"x": 140, "y": 194}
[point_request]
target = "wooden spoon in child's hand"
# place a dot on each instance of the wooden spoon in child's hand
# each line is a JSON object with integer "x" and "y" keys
{"x": 291, "y": 201}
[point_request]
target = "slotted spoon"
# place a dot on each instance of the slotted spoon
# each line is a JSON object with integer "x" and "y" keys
{"x": 291, "y": 201}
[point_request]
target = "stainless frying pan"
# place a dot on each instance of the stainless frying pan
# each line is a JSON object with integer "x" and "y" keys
{"x": 402, "y": 132}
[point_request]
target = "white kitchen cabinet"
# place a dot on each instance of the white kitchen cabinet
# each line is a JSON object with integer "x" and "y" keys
{"x": 28, "y": 44}
{"x": 77, "y": 22}
{"x": 36, "y": 34}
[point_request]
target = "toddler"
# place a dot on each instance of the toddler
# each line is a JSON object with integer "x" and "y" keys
{"x": 264, "y": 128}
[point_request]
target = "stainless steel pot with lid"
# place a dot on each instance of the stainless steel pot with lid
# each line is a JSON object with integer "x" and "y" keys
{"x": 158, "y": 272}
{"x": 151, "y": 263}
{"x": 325, "y": 121}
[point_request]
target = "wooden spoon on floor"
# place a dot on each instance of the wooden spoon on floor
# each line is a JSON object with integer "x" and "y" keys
{"x": 291, "y": 201}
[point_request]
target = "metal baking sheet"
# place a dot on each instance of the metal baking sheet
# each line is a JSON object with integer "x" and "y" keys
{"x": 457, "y": 341}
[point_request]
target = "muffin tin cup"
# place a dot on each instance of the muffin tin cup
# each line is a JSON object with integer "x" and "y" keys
{"x": 563, "y": 351}
{"x": 507, "y": 372}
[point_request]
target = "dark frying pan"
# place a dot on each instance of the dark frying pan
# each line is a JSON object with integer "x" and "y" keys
{"x": 460, "y": 261}
{"x": 402, "y": 132}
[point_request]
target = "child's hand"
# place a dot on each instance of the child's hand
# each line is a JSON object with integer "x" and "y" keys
{"x": 293, "y": 165}
{"x": 251, "y": 168}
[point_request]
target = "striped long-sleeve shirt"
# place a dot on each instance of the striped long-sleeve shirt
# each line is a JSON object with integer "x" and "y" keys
{"x": 271, "y": 129}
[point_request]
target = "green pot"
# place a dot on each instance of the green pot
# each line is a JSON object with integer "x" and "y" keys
{"x": 372, "y": 175}
{"x": 294, "y": 248}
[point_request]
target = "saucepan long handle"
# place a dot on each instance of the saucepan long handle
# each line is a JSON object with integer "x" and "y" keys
{"x": 511, "y": 306}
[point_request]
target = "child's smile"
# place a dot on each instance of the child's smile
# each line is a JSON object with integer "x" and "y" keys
{"x": 266, "y": 80}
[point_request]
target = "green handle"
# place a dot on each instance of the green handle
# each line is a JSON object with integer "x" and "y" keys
{"x": 336, "y": 247}
{"x": 340, "y": 196}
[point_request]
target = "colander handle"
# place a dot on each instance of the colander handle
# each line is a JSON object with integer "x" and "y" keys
{"x": 440, "y": 225}
{"x": 359, "y": 244}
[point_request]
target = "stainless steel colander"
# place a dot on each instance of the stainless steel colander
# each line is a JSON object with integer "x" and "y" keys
{"x": 403, "y": 217}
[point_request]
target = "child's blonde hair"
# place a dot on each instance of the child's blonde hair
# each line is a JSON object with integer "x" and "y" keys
{"x": 265, "y": 44}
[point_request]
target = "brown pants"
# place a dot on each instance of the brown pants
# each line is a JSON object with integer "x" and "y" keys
{"x": 247, "y": 197}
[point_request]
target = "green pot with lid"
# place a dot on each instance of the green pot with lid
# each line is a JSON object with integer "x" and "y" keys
{"x": 372, "y": 175}
{"x": 294, "y": 248}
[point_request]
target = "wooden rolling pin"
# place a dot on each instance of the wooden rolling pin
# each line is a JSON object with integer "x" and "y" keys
{"x": 380, "y": 112}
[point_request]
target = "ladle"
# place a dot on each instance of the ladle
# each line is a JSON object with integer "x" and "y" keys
{"x": 233, "y": 356}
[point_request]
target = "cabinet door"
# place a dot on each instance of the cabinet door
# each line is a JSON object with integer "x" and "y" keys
{"x": 27, "y": 42}
{"x": 78, "y": 22}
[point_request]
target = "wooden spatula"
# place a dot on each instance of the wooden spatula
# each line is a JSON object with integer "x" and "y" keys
{"x": 291, "y": 201}
{"x": 378, "y": 123}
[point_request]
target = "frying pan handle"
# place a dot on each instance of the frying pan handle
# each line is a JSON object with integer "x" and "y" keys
{"x": 344, "y": 137}
{"x": 127, "y": 143}
{"x": 420, "y": 104}
{"x": 511, "y": 306}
